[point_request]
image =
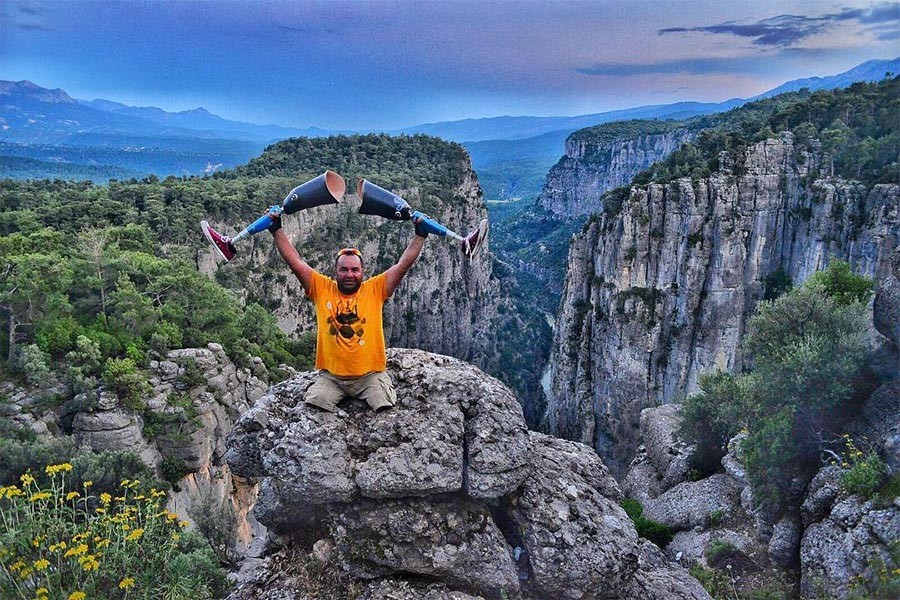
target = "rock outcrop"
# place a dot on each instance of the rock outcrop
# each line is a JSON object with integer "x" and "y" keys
{"x": 450, "y": 486}
{"x": 577, "y": 182}
{"x": 661, "y": 291}
{"x": 852, "y": 550}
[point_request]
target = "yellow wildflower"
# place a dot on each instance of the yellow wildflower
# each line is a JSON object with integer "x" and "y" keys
{"x": 41, "y": 564}
{"x": 26, "y": 573}
{"x": 26, "y": 479}
{"x": 88, "y": 483}
{"x": 72, "y": 495}
{"x": 59, "y": 546}
{"x": 125, "y": 483}
{"x": 134, "y": 535}
{"x": 77, "y": 596}
{"x": 13, "y": 491}
{"x": 41, "y": 593}
{"x": 105, "y": 498}
{"x": 126, "y": 583}
{"x": 183, "y": 523}
{"x": 39, "y": 496}
{"x": 102, "y": 544}
{"x": 100, "y": 510}
{"x": 90, "y": 563}
{"x": 17, "y": 565}
{"x": 54, "y": 469}
{"x": 77, "y": 551}
{"x": 36, "y": 542}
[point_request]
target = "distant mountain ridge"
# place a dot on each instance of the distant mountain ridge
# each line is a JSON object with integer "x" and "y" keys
{"x": 511, "y": 154}
{"x": 202, "y": 120}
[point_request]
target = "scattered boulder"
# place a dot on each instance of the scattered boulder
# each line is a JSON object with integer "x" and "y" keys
{"x": 695, "y": 503}
{"x": 821, "y": 495}
{"x": 784, "y": 545}
{"x": 844, "y": 555}
{"x": 670, "y": 455}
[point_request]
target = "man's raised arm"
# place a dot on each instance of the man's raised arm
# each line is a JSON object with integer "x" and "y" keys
{"x": 290, "y": 255}
{"x": 395, "y": 274}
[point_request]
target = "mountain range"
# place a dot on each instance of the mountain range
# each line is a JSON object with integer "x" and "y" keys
{"x": 47, "y": 133}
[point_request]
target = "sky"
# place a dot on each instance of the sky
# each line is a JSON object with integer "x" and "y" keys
{"x": 388, "y": 64}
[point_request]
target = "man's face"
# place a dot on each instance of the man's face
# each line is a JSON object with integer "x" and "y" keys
{"x": 349, "y": 273}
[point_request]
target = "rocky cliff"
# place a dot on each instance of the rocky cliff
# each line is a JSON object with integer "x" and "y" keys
{"x": 448, "y": 488}
{"x": 660, "y": 290}
{"x": 591, "y": 167}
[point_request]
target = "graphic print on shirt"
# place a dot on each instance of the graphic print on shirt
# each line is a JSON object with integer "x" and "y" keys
{"x": 344, "y": 321}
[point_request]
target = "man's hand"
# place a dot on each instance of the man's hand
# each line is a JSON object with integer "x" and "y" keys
{"x": 276, "y": 220}
{"x": 420, "y": 227}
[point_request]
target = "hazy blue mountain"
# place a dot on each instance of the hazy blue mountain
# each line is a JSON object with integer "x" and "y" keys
{"x": 872, "y": 70}
{"x": 202, "y": 120}
{"x": 516, "y": 128}
{"x": 510, "y": 168}
{"x": 510, "y": 154}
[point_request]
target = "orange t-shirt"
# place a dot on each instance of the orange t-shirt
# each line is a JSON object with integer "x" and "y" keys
{"x": 350, "y": 338}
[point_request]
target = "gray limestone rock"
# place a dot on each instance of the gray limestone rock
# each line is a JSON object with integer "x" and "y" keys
{"x": 659, "y": 578}
{"x": 842, "y": 555}
{"x": 452, "y": 540}
{"x": 581, "y": 544}
{"x": 453, "y": 429}
{"x": 695, "y": 503}
{"x": 821, "y": 495}
{"x": 784, "y": 545}
{"x": 389, "y": 589}
{"x": 886, "y": 309}
{"x": 642, "y": 480}
{"x": 670, "y": 455}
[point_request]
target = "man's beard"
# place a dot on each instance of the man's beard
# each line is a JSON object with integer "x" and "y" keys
{"x": 348, "y": 287}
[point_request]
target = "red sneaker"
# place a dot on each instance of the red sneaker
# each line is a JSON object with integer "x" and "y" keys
{"x": 220, "y": 243}
{"x": 474, "y": 240}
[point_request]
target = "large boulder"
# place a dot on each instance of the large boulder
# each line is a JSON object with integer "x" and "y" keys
{"x": 696, "y": 503}
{"x": 670, "y": 455}
{"x": 578, "y": 538}
{"x": 850, "y": 552}
{"x": 453, "y": 429}
{"x": 448, "y": 487}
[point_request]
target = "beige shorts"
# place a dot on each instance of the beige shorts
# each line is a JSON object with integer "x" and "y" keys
{"x": 328, "y": 390}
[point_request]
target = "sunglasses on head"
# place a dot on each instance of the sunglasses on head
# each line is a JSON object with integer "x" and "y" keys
{"x": 349, "y": 251}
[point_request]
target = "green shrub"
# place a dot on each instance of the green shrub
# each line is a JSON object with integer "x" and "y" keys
{"x": 34, "y": 364}
{"x": 807, "y": 349}
{"x": 129, "y": 383}
{"x": 173, "y": 469}
{"x": 864, "y": 472}
{"x": 711, "y": 417}
{"x": 648, "y": 529}
{"x": 20, "y": 456}
{"x": 717, "y": 584}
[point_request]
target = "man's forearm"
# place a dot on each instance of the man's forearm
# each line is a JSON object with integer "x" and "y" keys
{"x": 290, "y": 255}
{"x": 396, "y": 273}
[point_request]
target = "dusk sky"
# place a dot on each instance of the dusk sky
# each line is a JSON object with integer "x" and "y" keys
{"x": 380, "y": 64}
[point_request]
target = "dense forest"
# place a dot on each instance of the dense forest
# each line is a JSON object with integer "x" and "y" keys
{"x": 858, "y": 127}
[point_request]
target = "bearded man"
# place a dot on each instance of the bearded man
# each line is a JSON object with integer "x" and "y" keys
{"x": 350, "y": 346}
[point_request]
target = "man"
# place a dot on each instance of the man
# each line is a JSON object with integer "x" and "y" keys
{"x": 350, "y": 347}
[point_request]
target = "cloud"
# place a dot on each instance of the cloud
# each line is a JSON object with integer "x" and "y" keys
{"x": 29, "y": 15}
{"x": 697, "y": 66}
{"x": 787, "y": 30}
